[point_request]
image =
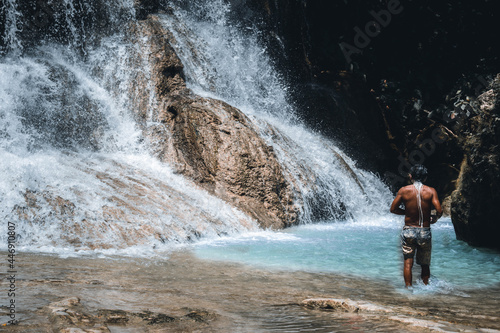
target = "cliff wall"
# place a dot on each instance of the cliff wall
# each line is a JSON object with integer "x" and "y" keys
{"x": 477, "y": 195}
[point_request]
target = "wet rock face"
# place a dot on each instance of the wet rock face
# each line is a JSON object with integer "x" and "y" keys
{"x": 218, "y": 146}
{"x": 208, "y": 140}
{"x": 399, "y": 77}
{"x": 62, "y": 115}
{"x": 302, "y": 40}
{"x": 475, "y": 202}
{"x": 145, "y": 7}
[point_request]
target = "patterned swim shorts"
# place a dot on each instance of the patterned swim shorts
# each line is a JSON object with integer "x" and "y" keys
{"x": 419, "y": 240}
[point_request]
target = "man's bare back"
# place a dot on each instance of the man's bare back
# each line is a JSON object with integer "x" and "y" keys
{"x": 418, "y": 201}
{"x": 408, "y": 196}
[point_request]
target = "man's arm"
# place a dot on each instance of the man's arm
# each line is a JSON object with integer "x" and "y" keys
{"x": 437, "y": 206}
{"x": 395, "y": 209}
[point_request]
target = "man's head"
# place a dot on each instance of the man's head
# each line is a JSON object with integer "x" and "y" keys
{"x": 418, "y": 173}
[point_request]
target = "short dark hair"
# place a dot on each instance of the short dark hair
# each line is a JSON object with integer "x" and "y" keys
{"x": 418, "y": 172}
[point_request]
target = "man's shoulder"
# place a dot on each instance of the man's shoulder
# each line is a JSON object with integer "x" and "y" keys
{"x": 405, "y": 188}
{"x": 432, "y": 189}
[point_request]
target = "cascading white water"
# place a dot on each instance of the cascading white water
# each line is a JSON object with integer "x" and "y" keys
{"x": 226, "y": 61}
{"x": 11, "y": 15}
{"x": 76, "y": 174}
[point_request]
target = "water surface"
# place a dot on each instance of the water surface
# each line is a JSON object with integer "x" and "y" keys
{"x": 245, "y": 298}
{"x": 367, "y": 249}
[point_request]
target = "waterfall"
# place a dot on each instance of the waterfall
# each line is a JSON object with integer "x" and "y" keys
{"x": 11, "y": 25}
{"x": 77, "y": 171}
{"x": 225, "y": 60}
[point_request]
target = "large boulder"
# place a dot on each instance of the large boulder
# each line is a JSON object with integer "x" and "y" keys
{"x": 477, "y": 196}
{"x": 205, "y": 139}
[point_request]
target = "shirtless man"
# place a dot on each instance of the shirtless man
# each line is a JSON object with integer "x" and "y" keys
{"x": 418, "y": 201}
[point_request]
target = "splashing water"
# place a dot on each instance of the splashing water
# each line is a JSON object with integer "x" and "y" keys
{"x": 418, "y": 189}
{"x": 12, "y": 15}
{"x": 76, "y": 171}
{"x": 226, "y": 61}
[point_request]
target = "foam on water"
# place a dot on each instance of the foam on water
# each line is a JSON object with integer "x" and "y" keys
{"x": 167, "y": 203}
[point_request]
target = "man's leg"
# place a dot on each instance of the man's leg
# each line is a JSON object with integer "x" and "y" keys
{"x": 408, "y": 265}
{"x": 424, "y": 254}
{"x": 426, "y": 273}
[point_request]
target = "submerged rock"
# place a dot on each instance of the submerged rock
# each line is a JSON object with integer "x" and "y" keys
{"x": 70, "y": 316}
{"x": 348, "y": 305}
{"x": 477, "y": 197}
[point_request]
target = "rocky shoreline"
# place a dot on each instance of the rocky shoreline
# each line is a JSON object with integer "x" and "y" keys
{"x": 185, "y": 294}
